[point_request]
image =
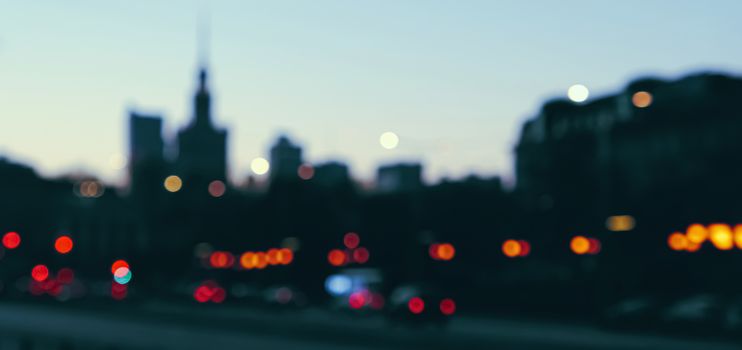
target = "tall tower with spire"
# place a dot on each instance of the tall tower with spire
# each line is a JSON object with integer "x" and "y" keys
{"x": 202, "y": 148}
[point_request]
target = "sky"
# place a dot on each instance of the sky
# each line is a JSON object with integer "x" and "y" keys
{"x": 454, "y": 79}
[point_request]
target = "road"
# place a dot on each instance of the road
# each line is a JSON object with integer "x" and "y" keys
{"x": 165, "y": 326}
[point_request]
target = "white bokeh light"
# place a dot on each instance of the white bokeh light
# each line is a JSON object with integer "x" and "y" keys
{"x": 389, "y": 140}
{"x": 578, "y": 93}
{"x": 259, "y": 166}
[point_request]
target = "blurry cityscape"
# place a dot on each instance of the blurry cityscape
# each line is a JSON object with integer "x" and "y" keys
{"x": 625, "y": 210}
{"x": 621, "y": 228}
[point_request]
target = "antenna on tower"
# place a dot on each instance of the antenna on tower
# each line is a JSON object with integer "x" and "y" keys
{"x": 203, "y": 36}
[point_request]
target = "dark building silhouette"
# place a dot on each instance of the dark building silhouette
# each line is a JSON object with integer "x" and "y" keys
{"x": 285, "y": 159}
{"x": 399, "y": 178}
{"x": 331, "y": 174}
{"x": 146, "y": 153}
{"x": 658, "y": 148}
{"x": 202, "y": 148}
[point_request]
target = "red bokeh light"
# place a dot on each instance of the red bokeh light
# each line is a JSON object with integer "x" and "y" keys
{"x": 63, "y": 244}
{"x": 594, "y": 246}
{"x": 202, "y": 294}
{"x": 448, "y": 307}
{"x": 221, "y": 260}
{"x": 305, "y": 171}
{"x": 11, "y": 240}
{"x": 361, "y": 255}
{"x": 525, "y": 248}
{"x": 118, "y": 264}
{"x": 218, "y": 295}
{"x": 285, "y": 256}
{"x": 65, "y": 275}
{"x": 377, "y": 301}
{"x": 40, "y": 273}
{"x": 351, "y": 240}
{"x": 416, "y": 305}
{"x": 119, "y": 291}
{"x": 336, "y": 257}
{"x": 217, "y": 188}
{"x": 357, "y": 300}
{"x": 433, "y": 251}
{"x": 273, "y": 256}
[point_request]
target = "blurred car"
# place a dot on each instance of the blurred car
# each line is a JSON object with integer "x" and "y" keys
{"x": 419, "y": 305}
{"x": 633, "y": 313}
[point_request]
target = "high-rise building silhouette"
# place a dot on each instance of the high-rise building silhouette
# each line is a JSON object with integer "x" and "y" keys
{"x": 202, "y": 148}
{"x": 285, "y": 159}
{"x": 146, "y": 152}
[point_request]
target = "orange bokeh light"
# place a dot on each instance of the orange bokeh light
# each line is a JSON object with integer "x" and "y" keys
{"x": 580, "y": 245}
{"x": 446, "y": 251}
{"x": 336, "y": 257}
{"x": 63, "y": 244}
{"x": 677, "y": 241}
{"x": 261, "y": 260}
{"x": 246, "y": 260}
{"x": 697, "y": 233}
{"x": 511, "y": 248}
{"x": 118, "y": 264}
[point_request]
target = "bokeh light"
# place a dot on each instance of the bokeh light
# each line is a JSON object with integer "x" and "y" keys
{"x": 677, "y": 241}
{"x": 738, "y": 236}
{"x": 641, "y": 99}
{"x": 448, "y": 307}
{"x": 338, "y": 284}
{"x": 260, "y": 166}
{"x": 389, "y": 140}
{"x": 217, "y": 188}
{"x": 416, "y": 305}
{"x": 578, "y": 93}
{"x": 63, "y": 244}
{"x": 446, "y": 251}
{"x": 336, "y": 257}
{"x": 173, "y": 183}
{"x": 351, "y": 240}
{"x": 580, "y": 245}
{"x": 361, "y": 255}
{"x": 40, "y": 273}
{"x": 11, "y": 240}
{"x": 122, "y": 275}
{"x": 357, "y": 300}
{"x": 305, "y": 171}
{"x": 285, "y": 256}
{"x": 511, "y": 248}
{"x": 246, "y": 260}
{"x": 697, "y": 233}
{"x": 620, "y": 223}
{"x": 118, "y": 264}
{"x": 721, "y": 236}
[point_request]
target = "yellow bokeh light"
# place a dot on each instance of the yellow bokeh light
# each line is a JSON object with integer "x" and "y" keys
{"x": 619, "y": 223}
{"x": 738, "y": 236}
{"x": 173, "y": 183}
{"x": 260, "y": 166}
{"x": 578, "y": 93}
{"x": 389, "y": 140}
{"x": 721, "y": 236}
{"x": 641, "y": 99}
{"x": 697, "y": 233}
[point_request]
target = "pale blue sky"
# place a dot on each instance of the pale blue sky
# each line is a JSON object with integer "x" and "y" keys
{"x": 455, "y": 79}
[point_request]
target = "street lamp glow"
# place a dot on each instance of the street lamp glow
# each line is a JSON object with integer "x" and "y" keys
{"x": 260, "y": 166}
{"x": 389, "y": 140}
{"x": 578, "y": 93}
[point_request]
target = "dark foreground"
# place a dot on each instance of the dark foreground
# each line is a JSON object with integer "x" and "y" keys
{"x": 161, "y": 326}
